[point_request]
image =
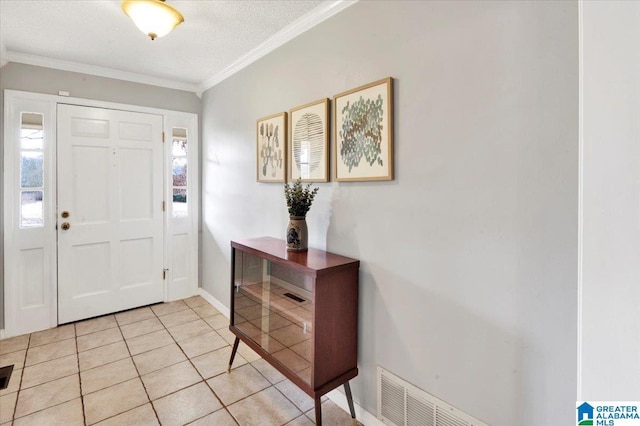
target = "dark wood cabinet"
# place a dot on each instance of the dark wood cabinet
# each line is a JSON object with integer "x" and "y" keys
{"x": 299, "y": 311}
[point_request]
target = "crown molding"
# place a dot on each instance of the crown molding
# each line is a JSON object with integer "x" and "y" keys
{"x": 326, "y": 10}
{"x": 42, "y": 61}
{"x": 291, "y": 31}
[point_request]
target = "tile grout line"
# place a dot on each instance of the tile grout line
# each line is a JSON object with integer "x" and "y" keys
{"x": 273, "y": 385}
{"x": 77, "y": 353}
{"x": 24, "y": 366}
{"x": 130, "y": 356}
{"x": 189, "y": 358}
{"x": 20, "y": 388}
{"x": 198, "y": 371}
{"x": 75, "y": 334}
{"x": 112, "y": 362}
{"x": 276, "y": 388}
{"x": 205, "y": 380}
{"x": 118, "y": 326}
{"x": 138, "y": 371}
{"x": 47, "y": 360}
{"x": 19, "y": 385}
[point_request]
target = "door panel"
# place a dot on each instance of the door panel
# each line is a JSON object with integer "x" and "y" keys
{"x": 136, "y": 184}
{"x": 90, "y": 180}
{"x": 136, "y": 262}
{"x": 110, "y": 181}
{"x": 32, "y": 275}
{"x": 91, "y": 265}
{"x": 81, "y": 126}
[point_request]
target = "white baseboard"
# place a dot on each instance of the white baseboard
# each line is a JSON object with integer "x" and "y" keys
{"x": 335, "y": 395}
{"x": 214, "y": 302}
{"x": 362, "y": 415}
{"x": 2, "y": 334}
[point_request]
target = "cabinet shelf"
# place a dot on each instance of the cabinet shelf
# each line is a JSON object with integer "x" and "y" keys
{"x": 299, "y": 311}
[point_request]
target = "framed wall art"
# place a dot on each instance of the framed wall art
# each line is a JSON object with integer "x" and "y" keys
{"x": 308, "y": 153}
{"x": 363, "y": 140}
{"x": 271, "y": 148}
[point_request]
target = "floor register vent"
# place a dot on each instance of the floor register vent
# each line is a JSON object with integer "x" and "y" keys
{"x": 402, "y": 404}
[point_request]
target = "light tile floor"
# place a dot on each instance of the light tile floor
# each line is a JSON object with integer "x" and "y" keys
{"x": 163, "y": 364}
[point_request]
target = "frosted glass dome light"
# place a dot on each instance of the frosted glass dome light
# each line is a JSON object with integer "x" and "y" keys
{"x": 155, "y": 18}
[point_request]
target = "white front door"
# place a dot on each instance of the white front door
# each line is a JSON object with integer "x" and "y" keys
{"x": 110, "y": 187}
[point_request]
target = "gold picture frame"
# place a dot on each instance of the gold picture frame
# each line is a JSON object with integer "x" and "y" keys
{"x": 308, "y": 152}
{"x": 271, "y": 148}
{"x": 363, "y": 132}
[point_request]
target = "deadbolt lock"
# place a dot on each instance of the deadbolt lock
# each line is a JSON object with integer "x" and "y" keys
{"x": 65, "y": 214}
{"x": 65, "y": 226}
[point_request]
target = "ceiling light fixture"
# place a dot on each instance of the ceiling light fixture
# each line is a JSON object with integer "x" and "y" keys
{"x": 155, "y": 18}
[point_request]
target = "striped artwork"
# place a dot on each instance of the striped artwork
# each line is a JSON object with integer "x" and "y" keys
{"x": 309, "y": 142}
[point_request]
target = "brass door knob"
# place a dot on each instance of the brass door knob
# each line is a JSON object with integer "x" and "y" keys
{"x": 65, "y": 214}
{"x": 65, "y": 226}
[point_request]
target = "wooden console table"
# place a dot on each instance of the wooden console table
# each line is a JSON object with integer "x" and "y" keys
{"x": 299, "y": 311}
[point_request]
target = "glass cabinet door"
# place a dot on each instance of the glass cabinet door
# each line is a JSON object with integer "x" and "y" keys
{"x": 273, "y": 306}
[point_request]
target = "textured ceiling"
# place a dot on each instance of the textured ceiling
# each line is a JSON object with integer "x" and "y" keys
{"x": 215, "y": 34}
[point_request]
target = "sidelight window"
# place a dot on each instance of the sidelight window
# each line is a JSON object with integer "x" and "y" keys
{"x": 31, "y": 171}
{"x": 179, "y": 171}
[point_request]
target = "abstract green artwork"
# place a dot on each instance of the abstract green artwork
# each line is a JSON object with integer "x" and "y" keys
{"x": 363, "y": 139}
{"x": 361, "y": 132}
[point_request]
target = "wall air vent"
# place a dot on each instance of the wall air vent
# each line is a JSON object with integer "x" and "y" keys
{"x": 402, "y": 404}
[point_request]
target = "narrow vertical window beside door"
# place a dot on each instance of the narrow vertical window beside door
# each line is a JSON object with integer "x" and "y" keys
{"x": 31, "y": 170}
{"x": 179, "y": 171}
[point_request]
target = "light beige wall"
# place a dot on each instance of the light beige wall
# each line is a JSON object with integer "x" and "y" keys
{"x": 30, "y": 78}
{"x": 610, "y": 338}
{"x": 468, "y": 273}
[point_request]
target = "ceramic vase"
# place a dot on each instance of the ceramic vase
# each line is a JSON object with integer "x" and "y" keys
{"x": 297, "y": 234}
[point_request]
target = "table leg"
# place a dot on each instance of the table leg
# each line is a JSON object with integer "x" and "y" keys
{"x": 318, "y": 405}
{"x": 233, "y": 353}
{"x": 347, "y": 391}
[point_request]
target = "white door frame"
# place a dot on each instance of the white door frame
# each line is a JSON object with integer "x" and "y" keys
{"x": 18, "y": 321}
